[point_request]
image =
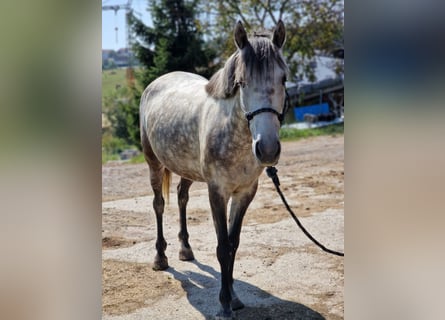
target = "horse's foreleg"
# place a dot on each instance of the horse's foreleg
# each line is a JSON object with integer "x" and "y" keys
{"x": 161, "y": 261}
{"x": 218, "y": 204}
{"x": 185, "y": 253}
{"x": 240, "y": 203}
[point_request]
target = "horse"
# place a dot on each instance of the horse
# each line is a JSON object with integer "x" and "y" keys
{"x": 224, "y": 132}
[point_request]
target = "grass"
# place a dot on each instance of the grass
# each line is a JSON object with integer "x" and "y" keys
{"x": 138, "y": 159}
{"x": 289, "y": 134}
{"x": 112, "y": 147}
{"x": 109, "y": 157}
{"x": 111, "y": 79}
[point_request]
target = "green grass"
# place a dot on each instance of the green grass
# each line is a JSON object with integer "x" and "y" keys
{"x": 109, "y": 157}
{"x": 112, "y": 146}
{"x": 138, "y": 159}
{"x": 289, "y": 134}
{"x": 112, "y": 79}
{"x": 115, "y": 80}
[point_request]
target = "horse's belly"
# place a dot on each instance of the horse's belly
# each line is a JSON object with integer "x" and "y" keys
{"x": 184, "y": 168}
{"x": 180, "y": 155}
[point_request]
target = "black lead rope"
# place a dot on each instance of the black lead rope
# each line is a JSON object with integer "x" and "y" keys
{"x": 272, "y": 173}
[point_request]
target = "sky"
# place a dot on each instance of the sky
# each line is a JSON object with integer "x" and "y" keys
{"x": 110, "y": 21}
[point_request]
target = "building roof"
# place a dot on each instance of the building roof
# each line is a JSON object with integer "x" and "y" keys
{"x": 325, "y": 75}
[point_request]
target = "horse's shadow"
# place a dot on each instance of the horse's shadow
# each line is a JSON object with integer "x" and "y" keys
{"x": 203, "y": 290}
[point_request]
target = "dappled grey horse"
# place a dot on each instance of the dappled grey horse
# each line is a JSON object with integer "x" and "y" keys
{"x": 223, "y": 132}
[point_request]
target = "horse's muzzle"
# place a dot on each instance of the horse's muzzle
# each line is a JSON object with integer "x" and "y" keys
{"x": 267, "y": 153}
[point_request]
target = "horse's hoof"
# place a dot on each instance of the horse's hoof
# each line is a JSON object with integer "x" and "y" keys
{"x": 236, "y": 304}
{"x": 186, "y": 254}
{"x": 160, "y": 263}
{"x": 224, "y": 315}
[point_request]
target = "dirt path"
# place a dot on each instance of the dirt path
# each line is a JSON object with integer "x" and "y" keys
{"x": 279, "y": 273}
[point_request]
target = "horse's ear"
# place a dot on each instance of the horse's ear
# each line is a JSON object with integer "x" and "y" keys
{"x": 279, "y": 34}
{"x": 240, "y": 35}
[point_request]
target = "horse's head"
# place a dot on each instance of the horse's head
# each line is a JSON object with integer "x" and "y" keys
{"x": 260, "y": 76}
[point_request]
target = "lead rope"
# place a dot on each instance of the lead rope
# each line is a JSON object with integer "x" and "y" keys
{"x": 272, "y": 173}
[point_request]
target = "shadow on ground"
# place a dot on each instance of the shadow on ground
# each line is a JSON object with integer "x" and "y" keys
{"x": 203, "y": 289}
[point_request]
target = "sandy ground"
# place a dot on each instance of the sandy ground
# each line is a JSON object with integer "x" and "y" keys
{"x": 279, "y": 273}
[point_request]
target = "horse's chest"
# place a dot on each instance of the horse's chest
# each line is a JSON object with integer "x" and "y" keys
{"x": 231, "y": 159}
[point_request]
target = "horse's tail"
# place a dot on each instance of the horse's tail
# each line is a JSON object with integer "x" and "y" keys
{"x": 166, "y": 181}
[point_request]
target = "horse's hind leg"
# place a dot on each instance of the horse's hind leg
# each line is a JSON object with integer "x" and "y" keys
{"x": 185, "y": 253}
{"x": 156, "y": 179}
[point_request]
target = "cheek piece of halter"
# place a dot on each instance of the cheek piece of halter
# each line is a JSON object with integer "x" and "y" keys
{"x": 249, "y": 115}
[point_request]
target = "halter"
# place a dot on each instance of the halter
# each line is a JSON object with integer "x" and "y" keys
{"x": 250, "y": 115}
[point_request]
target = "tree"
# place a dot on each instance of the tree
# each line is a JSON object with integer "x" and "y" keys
{"x": 122, "y": 110}
{"x": 313, "y": 26}
{"x": 175, "y": 43}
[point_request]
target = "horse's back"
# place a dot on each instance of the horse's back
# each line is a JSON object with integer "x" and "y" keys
{"x": 177, "y": 79}
{"x": 176, "y": 90}
{"x": 171, "y": 111}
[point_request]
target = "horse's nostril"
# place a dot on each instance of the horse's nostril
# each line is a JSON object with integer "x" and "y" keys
{"x": 257, "y": 149}
{"x": 278, "y": 149}
{"x": 267, "y": 153}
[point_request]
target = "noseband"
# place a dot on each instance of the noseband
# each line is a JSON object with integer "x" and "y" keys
{"x": 250, "y": 115}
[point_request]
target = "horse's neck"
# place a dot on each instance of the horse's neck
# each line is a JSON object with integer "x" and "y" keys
{"x": 237, "y": 119}
{"x": 228, "y": 138}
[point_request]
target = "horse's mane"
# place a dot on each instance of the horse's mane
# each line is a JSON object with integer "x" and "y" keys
{"x": 256, "y": 60}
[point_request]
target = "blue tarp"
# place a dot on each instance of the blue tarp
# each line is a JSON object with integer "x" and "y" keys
{"x": 315, "y": 109}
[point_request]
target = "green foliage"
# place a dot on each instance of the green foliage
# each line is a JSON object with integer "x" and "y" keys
{"x": 175, "y": 43}
{"x": 122, "y": 110}
{"x": 160, "y": 60}
{"x": 111, "y": 147}
{"x": 313, "y": 26}
{"x": 289, "y": 134}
